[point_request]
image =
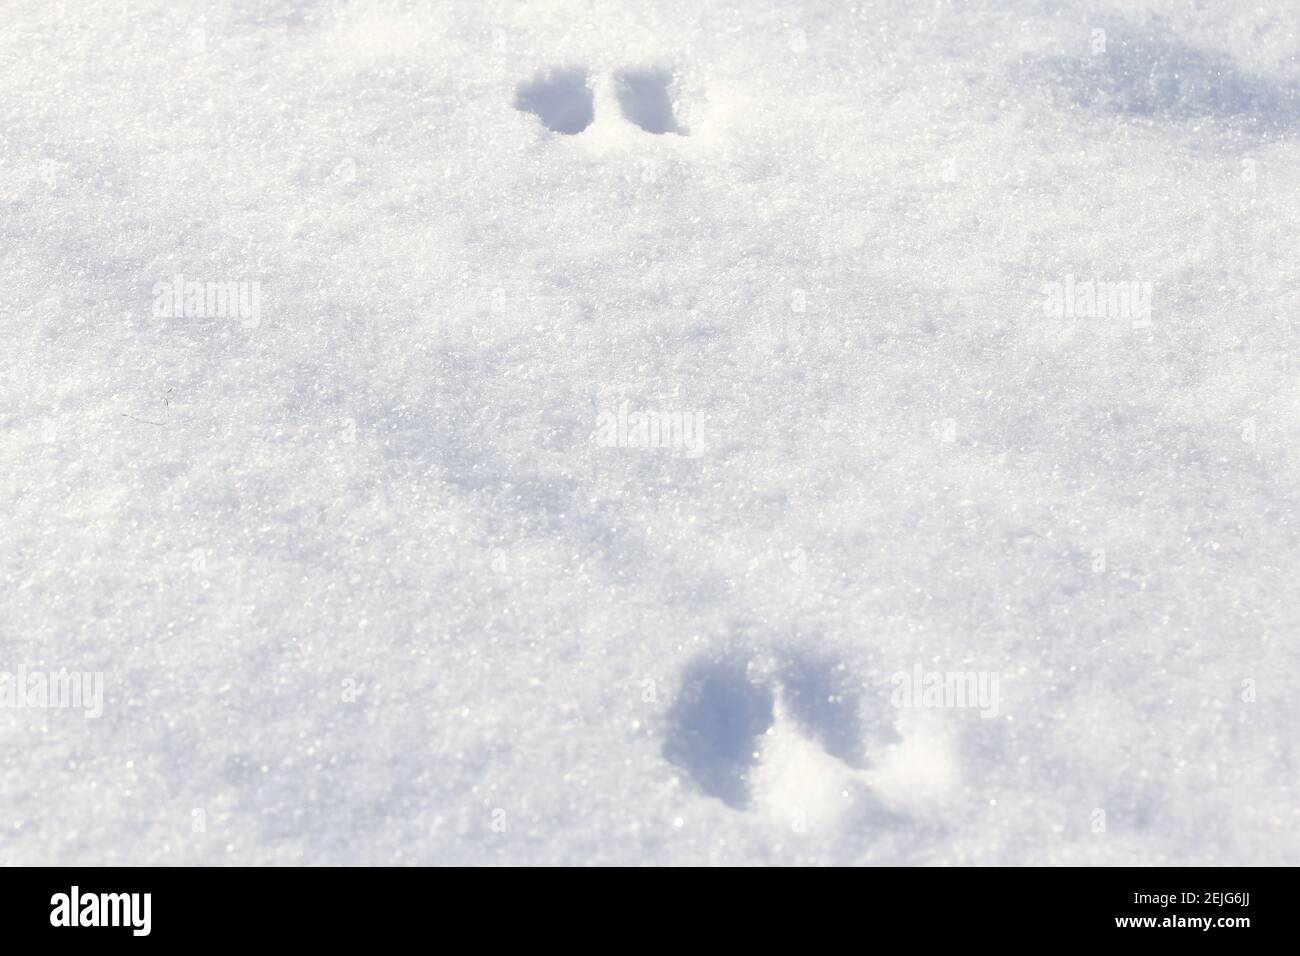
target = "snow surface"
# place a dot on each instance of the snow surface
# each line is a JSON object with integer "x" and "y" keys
{"x": 364, "y": 581}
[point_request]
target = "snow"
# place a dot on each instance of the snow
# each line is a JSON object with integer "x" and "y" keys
{"x": 364, "y": 586}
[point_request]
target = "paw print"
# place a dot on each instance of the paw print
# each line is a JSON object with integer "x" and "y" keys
{"x": 564, "y": 99}
{"x": 794, "y": 740}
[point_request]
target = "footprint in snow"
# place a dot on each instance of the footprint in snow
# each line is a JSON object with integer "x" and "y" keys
{"x": 560, "y": 97}
{"x": 564, "y": 100}
{"x": 796, "y": 742}
{"x": 645, "y": 97}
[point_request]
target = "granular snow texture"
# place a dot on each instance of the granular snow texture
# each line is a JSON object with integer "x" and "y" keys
{"x": 968, "y": 330}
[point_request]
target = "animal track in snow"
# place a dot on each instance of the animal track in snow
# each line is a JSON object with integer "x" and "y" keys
{"x": 796, "y": 741}
{"x": 564, "y": 100}
{"x": 561, "y": 98}
{"x": 644, "y": 97}
{"x": 714, "y": 727}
